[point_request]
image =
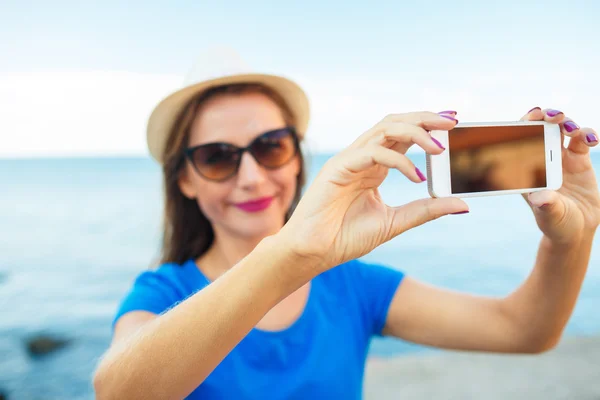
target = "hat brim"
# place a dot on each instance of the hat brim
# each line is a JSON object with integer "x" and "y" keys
{"x": 164, "y": 115}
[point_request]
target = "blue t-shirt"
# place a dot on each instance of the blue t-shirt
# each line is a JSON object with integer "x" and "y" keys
{"x": 320, "y": 356}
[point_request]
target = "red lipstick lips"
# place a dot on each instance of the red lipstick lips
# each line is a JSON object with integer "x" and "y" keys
{"x": 255, "y": 205}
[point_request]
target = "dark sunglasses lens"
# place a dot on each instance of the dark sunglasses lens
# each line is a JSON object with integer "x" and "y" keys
{"x": 274, "y": 149}
{"x": 215, "y": 161}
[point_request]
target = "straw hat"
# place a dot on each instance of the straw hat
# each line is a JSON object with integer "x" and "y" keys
{"x": 218, "y": 67}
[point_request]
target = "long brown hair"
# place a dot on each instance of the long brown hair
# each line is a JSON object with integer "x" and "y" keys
{"x": 187, "y": 233}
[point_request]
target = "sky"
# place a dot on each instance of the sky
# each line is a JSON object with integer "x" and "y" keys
{"x": 81, "y": 79}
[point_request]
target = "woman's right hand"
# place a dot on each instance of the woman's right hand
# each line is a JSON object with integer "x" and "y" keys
{"x": 342, "y": 216}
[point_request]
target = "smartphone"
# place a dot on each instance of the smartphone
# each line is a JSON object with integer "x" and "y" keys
{"x": 496, "y": 158}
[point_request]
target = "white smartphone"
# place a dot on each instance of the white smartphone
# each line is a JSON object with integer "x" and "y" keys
{"x": 496, "y": 158}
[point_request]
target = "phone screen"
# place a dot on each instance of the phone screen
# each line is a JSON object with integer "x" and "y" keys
{"x": 491, "y": 158}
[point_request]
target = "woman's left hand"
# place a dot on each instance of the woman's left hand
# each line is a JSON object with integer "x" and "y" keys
{"x": 572, "y": 211}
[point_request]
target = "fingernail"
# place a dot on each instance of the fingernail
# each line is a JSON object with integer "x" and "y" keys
{"x": 591, "y": 138}
{"x": 449, "y": 117}
{"x": 447, "y": 112}
{"x": 438, "y": 143}
{"x": 544, "y": 206}
{"x": 553, "y": 113}
{"x": 420, "y": 175}
{"x": 534, "y": 108}
{"x": 460, "y": 212}
{"x": 571, "y": 126}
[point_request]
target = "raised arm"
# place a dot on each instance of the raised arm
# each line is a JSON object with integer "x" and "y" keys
{"x": 341, "y": 217}
{"x": 530, "y": 320}
{"x": 168, "y": 357}
{"x": 533, "y": 317}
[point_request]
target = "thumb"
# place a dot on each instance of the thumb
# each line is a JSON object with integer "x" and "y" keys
{"x": 421, "y": 211}
{"x": 546, "y": 202}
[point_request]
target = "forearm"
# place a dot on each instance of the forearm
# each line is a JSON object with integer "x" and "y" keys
{"x": 542, "y": 306}
{"x": 170, "y": 356}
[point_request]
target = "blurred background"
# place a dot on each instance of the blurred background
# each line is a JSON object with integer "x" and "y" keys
{"x": 80, "y": 203}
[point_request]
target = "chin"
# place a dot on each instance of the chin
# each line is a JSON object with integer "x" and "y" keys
{"x": 258, "y": 232}
{"x": 257, "y": 224}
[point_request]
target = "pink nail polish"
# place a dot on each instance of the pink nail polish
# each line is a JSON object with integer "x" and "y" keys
{"x": 460, "y": 212}
{"x": 449, "y": 117}
{"x": 553, "y": 113}
{"x": 447, "y": 112}
{"x": 420, "y": 175}
{"x": 438, "y": 143}
{"x": 534, "y": 108}
{"x": 570, "y": 126}
{"x": 591, "y": 138}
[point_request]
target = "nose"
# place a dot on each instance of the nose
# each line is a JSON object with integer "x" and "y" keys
{"x": 251, "y": 173}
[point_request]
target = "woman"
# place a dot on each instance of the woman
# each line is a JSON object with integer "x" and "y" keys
{"x": 252, "y": 301}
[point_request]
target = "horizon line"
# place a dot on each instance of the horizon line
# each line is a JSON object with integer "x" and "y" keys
{"x": 137, "y": 155}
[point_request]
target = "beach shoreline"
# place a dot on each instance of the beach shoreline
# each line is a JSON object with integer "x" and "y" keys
{"x": 569, "y": 371}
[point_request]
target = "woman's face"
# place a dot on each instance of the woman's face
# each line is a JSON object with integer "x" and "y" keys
{"x": 252, "y": 203}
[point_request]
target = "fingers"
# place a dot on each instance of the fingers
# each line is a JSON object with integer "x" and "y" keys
{"x": 548, "y": 114}
{"x": 385, "y": 144}
{"x": 582, "y": 139}
{"x": 421, "y": 211}
{"x": 547, "y": 201}
{"x": 552, "y": 115}
{"x": 404, "y": 127}
{"x": 373, "y": 155}
{"x": 401, "y": 135}
{"x": 535, "y": 114}
{"x": 526, "y": 198}
{"x": 444, "y": 120}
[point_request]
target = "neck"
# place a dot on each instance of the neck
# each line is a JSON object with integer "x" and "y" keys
{"x": 225, "y": 252}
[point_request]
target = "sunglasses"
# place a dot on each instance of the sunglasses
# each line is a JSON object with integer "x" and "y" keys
{"x": 220, "y": 161}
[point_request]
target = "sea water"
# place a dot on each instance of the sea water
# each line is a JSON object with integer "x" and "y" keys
{"x": 75, "y": 232}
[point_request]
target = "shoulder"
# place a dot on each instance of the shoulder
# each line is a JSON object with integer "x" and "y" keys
{"x": 167, "y": 277}
{"x": 159, "y": 289}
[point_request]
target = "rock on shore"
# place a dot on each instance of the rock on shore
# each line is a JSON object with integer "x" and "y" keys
{"x": 43, "y": 344}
